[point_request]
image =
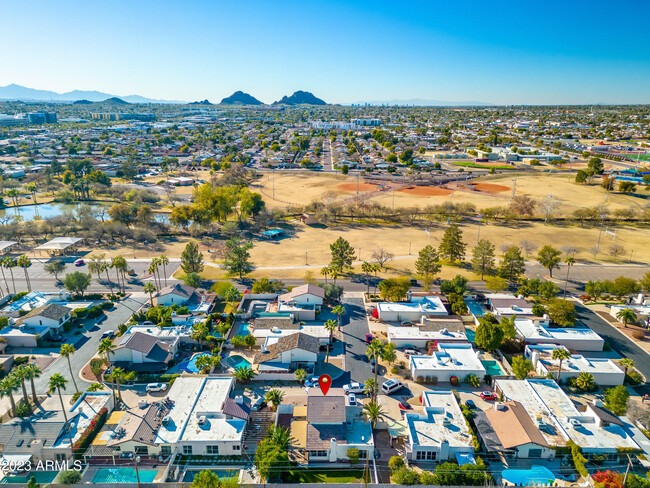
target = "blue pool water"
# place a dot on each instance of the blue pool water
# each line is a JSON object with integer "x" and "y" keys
{"x": 237, "y": 361}
{"x": 475, "y": 308}
{"x": 123, "y": 475}
{"x": 537, "y": 475}
{"x": 243, "y": 329}
{"x": 190, "y": 366}
{"x": 492, "y": 368}
{"x": 188, "y": 477}
{"x": 41, "y": 477}
{"x": 471, "y": 334}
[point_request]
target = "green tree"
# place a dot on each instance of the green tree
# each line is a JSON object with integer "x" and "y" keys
{"x": 330, "y": 326}
{"x": 24, "y": 262}
{"x": 521, "y": 367}
{"x": 623, "y": 286}
{"x": 488, "y": 335}
{"x": 560, "y": 354}
{"x": 237, "y": 258}
{"x": 54, "y": 267}
{"x": 193, "y": 280}
{"x": 192, "y": 258}
{"x": 107, "y": 348}
{"x": 569, "y": 262}
{"x": 264, "y": 285}
{"x": 66, "y": 351}
{"x": 428, "y": 265}
{"x": 245, "y": 374}
{"x": 8, "y": 385}
{"x": 32, "y": 371}
{"x": 457, "y": 285}
{"x": 626, "y": 315}
{"x": 374, "y": 352}
{"x": 339, "y": 311}
{"x": 496, "y": 284}
{"x": 300, "y": 375}
{"x": 394, "y": 289}
{"x": 373, "y": 412}
{"x": 585, "y": 382}
{"x": 627, "y": 187}
{"x": 206, "y": 479}
{"x": 274, "y": 397}
{"x": 149, "y": 288}
{"x": 644, "y": 282}
{"x": 483, "y": 258}
{"x": 342, "y": 255}
{"x": 616, "y": 400}
{"x": 562, "y": 312}
{"x": 270, "y": 458}
{"x": 57, "y": 383}
{"x": 77, "y": 282}
{"x": 452, "y": 246}
{"x": 550, "y": 258}
{"x": 626, "y": 363}
{"x": 512, "y": 264}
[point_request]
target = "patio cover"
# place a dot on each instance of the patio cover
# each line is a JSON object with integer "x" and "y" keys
{"x": 58, "y": 244}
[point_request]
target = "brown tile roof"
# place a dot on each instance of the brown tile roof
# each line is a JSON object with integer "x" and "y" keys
{"x": 605, "y": 415}
{"x": 514, "y": 427}
{"x": 51, "y": 311}
{"x": 150, "y": 346}
{"x": 451, "y": 324}
{"x": 178, "y": 289}
{"x": 303, "y": 290}
{"x": 320, "y": 435}
{"x": 237, "y": 410}
{"x": 287, "y": 343}
{"x": 140, "y": 425}
{"x": 270, "y": 322}
{"x": 326, "y": 409}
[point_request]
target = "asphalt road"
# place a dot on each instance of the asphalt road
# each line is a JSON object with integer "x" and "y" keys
{"x": 86, "y": 345}
{"x": 618, "y": 342}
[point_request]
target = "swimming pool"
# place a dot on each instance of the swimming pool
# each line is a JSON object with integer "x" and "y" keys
{"x": 492, "y": 368}
{"x": 190, "y": 366}
{"x": 124, "y": 475}
{"x": 41, "y": 477}
{"x": 237, "y": 361}
{"x": 243, "y": 329}
{"x": 223, "y": 474}
{"x": 537, "y": 475}
{"x": 471, "y": 334}
{"x": 475, "y": 308}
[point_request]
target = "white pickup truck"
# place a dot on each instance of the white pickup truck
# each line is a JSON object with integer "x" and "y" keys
{"x": 353, "y": 388}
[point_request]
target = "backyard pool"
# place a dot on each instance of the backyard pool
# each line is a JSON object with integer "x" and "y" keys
{"x": 475, "y": 308}
{"x": 537, "y": 475}
{"x": 471, "y": 334}
{"x": 41, "y": 477}
{"x": 190, "y": 366}
{"x": 124, "y": 475}
{"x": 243, "y": 329}
{"x": 492, "y": 368}
{"x": 223, "y": 474}
{"x": 237, "y": 361}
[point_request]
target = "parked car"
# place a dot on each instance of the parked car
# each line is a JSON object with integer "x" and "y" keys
{"x": 407, "y": 323}
{"x": 131, "y": 272}
{"x": 258, "y": 404}
{"x": 404, "y": 404}
{"x": 108, "y": 334}
{"x": 488, "y": 395}
{"x": 153, "y": 387}
{"x": 391, "y": 386}
{"x": 79, "y": 262}
{"x": 57, "y": 338}
{"x": 352, "y": 400}
{"x": 411, "y": 352}
{"x": 353, "y": 388}
{"x": 313, "y": 382}
{"x": 470, "y": 404}
{"x": 369, "y": 338}
{"x": 414, "y": 282}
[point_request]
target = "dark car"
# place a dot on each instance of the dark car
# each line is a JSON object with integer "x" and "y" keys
{"x": 57, "y": 338}
{"x": 414, "y": 282}
{"x": 470, "y": 404}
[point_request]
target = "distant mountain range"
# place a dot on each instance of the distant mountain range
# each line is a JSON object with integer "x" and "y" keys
{"x": 299, "y": 98}
{"x": 17, "y": 92}
{"x": 241, "y": 98}
{"x": 421, "y": 102}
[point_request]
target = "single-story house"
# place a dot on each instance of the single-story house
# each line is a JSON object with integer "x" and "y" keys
{"x": 288, "y": 353}
{"x": 51, "y": 316}
{"x": 142, "y": 352}
{"x": 451, "y": 360}
{"x": 178, "y": 294}
{"x": 413, "y": 310}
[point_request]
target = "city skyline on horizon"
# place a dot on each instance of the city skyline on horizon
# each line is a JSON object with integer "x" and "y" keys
{"x": 342, "y": 53}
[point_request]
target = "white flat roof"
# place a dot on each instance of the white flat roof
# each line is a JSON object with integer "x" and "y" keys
{"x": 428, "y": 429}
{"x": 429, "y": 304}
{"x": 578, "y": 364}
{"x": 405, "y": 333}
{"x": 59, "y": 243}
{"x": 183, "y": 394}
{"x": 531, "y": 331}
{"x": 458, "y": 356}
{"x": 313, "y": 330}
{"x": 639, "y": 309}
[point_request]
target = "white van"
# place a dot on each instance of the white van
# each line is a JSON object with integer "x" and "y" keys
{"x": 391, "y": 386}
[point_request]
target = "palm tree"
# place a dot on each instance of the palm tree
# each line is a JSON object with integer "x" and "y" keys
{"x": 95, "y": 265}
{"x": 325, "y": 271}
{"x": 2, "y": 268}
{"x": 300, "y": 374}
{"x": 24, "y": 262}
{"x": 585, "y": 381}
{"x": 626, "y": 316}
{"x": 66, "y": 351}
{"x": 153, "y": 267}
{"x": 561, "y": 354}
{"x": 149, "y": 288}
{"x": 106, "y": 348}
{"x": 164, "y": 261}
{"x": 104, "y": 266}
{"x": 13, "y": 194}
{"x": 369, "y": 387}
{"x": 570, "y": 261}
{"x": 32, "y": 371}
{"x": 204, "y": 363}
{"x": 8, "y": 385}
{"x": 339, "y": 310}
{"x": 334, "y": 273}
{"x": 330, "y": 326}
{"x": 626, "y": 363}
{"x": 120, "y": 376}
{"x": 119, "y": 264}
{"x": 366, "y": 267}
{"x": 57, "y": 381}
{"x": 281, "y": 437}
{"x": 31, "y": 188}
{"x": 10, "y": 263}
{"x": 372, "y": 411}
{"x": 274, "y": 397}
{"x": 20, "y": 375}
{"x": 376, "y": 269}
{"x": 244, "y": 374}
{"x": 374, "y": 352}
{"x": 389, "y": 354}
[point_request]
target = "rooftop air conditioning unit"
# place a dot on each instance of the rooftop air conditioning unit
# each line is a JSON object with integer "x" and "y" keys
{"x": 500, "y": 406}
{"x": 575, "y": 423}
{"x": 239, "y": 399}
{"x": 166, "y": 419}
{"x": 202, "y": 420}
{"x": 444, "y": 331}
{"x": 446, "y": 422}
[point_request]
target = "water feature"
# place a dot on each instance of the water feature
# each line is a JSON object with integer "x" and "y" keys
{"x": 41, "y": 477}
{"x": 237, "y": 361}
{"x": 492, "y": 368}
{"x": 536, "y": 475}
{"x": 44, "y": 211}
{"x": 243, "y": 329}
{"x": 190, "y": 366}
{"x": 124, "y": 475}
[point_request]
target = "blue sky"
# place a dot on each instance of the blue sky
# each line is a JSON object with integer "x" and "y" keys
{"x": 505, "y": 52}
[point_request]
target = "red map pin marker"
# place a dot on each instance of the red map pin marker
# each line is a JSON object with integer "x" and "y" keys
{"x": 325, "y": 381}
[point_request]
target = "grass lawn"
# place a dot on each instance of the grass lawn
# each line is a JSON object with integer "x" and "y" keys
{"x": 326, "y": 476}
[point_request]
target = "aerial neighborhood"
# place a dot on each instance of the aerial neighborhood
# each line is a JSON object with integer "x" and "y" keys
{"x": 240, "y": 293}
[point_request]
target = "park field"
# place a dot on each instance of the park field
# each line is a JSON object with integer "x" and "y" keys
{"x": 293, "y": 188}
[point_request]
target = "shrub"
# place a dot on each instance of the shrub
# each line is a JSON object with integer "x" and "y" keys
{"x": 633, "y": 377}
{"x": 405, "y": 476}
{"x": 96, "y": 365}
{"x": 18, "y": 296}
{"x": 69, "y": 477}
{"x": 578, "y": 459}
{"x": 608, "y": 479}
{"x": 639, "y": 335}
{"x": 394, "y": 370}
{"x": 18, "y": 360}
{"x": 353, "y": 455}
{"x": 107, "y": 305}
{"x": 88, "y": 435}
{"x": 23, "y": 409}
{"x": 395, "y": 462}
